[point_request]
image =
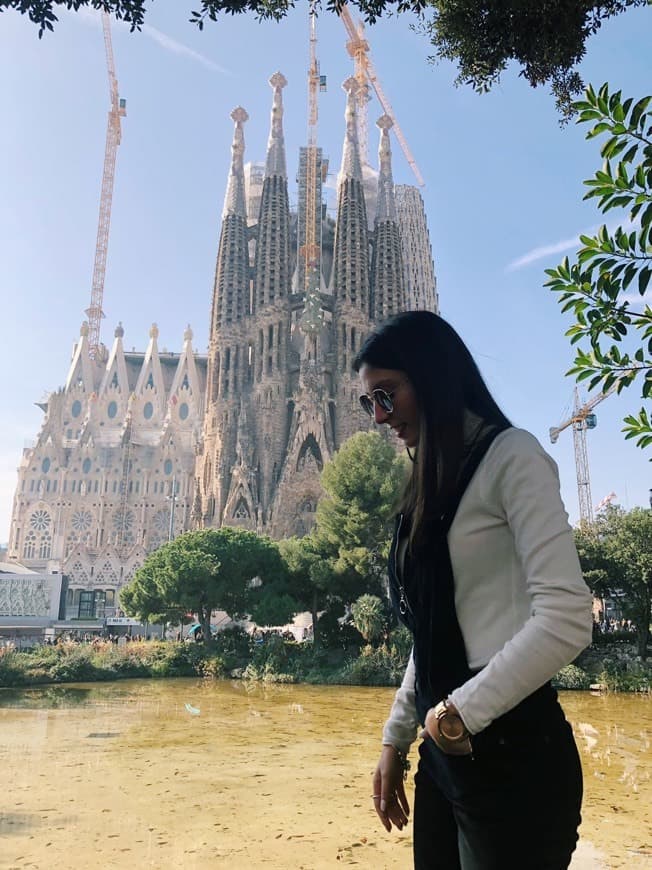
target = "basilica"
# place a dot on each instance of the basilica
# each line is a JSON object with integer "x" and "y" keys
{"x": 137, "y": 447}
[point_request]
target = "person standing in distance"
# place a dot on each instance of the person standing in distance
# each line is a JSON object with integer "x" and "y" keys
{"x": 483, "y": 570}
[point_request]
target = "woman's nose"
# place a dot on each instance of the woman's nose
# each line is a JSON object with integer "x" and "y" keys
{"x": 380, "y": 415}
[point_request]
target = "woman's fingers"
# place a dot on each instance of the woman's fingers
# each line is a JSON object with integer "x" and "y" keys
{"x": 394, "y": 812}
{"x": 388, "y": 793}
{"x": 376, "y": 798}
{"x": 402, "y": 799}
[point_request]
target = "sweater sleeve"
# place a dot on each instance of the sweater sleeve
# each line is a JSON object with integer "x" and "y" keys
{"x": 400, "y": 730}
{"x": 523, "y": 486}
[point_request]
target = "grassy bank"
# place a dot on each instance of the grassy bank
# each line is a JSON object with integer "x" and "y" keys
{"x": 234, "y": 655}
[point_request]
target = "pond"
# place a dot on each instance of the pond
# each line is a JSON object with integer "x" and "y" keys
{"x": 219, "y": 774}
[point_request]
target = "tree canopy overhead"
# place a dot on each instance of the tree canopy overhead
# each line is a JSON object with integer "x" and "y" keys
{"x": 547, "y": 38}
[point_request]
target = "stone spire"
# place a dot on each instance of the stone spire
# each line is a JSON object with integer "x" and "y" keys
{"x": 231, "y": 289}
{"x": 387, "y": 275}
{"x": 80, "y": 374}
{"x": 235, "y": 201}
{"x": 351, "y": 252}
{"x": 386, "y": 205}
{"x": 351, "y": 167}
{"x": 418, "y": 267}
{"x": 275, "y": 163}
{"x": 272, "y": 268}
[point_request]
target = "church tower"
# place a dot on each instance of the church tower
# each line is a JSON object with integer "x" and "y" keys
{"x": 228, "y": 354}
{"x": 387, "y": 275}
{"x": 350, "y": 281}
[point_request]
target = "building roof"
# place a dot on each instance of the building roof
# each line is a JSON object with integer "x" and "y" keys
{"x": 15, "y": 568}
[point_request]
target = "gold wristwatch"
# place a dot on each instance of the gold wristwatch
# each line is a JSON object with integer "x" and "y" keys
{"x": 453, "y": 730}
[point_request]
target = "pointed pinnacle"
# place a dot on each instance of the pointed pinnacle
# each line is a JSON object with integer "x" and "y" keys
{"x": 239, "y": 115}
{"x": 351, "y": 86}
{"x": 278, "y": 80}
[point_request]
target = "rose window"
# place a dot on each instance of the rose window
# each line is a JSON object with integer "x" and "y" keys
{"x": 40, "y": 520}
{"x": 159, "y": 531}
{"x": 82, "y": 521}
{"x": 123, "y": 526}
{"x": 161, "y": 522}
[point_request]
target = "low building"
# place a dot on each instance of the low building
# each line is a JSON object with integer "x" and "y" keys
{"x": 31, "y": 602}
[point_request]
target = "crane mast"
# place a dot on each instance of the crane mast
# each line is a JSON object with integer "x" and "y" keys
{"x": 311, "y": 249}
{"x": 582, "y": 419}
{"x": 365, "y": 74}
{"x": 117, "y": 110}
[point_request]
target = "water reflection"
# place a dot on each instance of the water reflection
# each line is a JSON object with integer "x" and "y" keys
{"x": 46, "y": 698}
{"x": 208, "y": 774}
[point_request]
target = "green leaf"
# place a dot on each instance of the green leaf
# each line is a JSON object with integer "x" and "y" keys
{"x": 637, "y": 111}
{"x": 599, "y": 128}
{"x": 630, "y": 154}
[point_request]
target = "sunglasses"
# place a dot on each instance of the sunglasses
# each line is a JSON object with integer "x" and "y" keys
{"x": 381, "y": 398}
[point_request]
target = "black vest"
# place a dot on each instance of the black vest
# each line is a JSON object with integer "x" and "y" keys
{"x": 425, "y": 601}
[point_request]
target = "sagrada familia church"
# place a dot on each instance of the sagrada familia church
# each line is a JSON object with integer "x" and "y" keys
{"x": 137, "y": 447}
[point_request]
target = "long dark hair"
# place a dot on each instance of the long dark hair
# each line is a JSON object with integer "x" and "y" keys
{"x": 447, "y": 384}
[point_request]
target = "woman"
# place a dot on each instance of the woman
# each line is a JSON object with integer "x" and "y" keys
{"x": 483, "y": 570}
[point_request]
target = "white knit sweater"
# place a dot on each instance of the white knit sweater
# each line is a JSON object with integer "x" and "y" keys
{"x": 521, "y": 601}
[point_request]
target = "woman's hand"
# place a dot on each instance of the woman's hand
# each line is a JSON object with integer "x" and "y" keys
{"x": 444, "y": 725}
{"x": 388, "y": 790}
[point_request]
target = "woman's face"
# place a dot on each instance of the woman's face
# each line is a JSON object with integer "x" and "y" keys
{"x": 404, "y": 417}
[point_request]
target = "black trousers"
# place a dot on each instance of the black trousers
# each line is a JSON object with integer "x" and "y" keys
{"x": 514, "y": 805}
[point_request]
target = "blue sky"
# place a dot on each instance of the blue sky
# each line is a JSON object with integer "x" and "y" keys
{"x": 503, "y": 196}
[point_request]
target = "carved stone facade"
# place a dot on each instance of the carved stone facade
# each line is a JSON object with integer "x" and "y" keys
{"x": 137, "y": 447}
{"x": 112, "y": 469}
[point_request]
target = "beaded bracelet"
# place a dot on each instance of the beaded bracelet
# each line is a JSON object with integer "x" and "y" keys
{"x": 405, "y": 762}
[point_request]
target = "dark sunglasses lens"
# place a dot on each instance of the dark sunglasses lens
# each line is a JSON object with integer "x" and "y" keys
{"x": 384, "y": 401}
{"x": 367, "y": 405}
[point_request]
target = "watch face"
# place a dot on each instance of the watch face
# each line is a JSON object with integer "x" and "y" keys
{"x": 451, "y": 727}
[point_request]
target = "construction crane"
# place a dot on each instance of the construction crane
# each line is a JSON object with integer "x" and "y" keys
{"x": 365, "y": 74}
{"x": 581, "y": 420}
{"x": 310, "y": 251}
{"x": 117, "y": 111}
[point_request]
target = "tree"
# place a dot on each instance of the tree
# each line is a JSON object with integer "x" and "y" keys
{"x": 547, "y": 38}
{"x": 315, "y": 583}
{"x": 354, "y": 519}
{"x": 345, "y": 554}
{"x": 369, "y": 617}
{"x": 605, "y": 289}
{"x": 616, "y": 556}
{"x": 213, "y": 569}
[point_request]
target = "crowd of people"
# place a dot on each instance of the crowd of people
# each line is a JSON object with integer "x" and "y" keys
{"x": 612, "y": 625}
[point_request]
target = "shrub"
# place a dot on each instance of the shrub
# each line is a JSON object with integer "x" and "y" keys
{"x": 74, "y": 664}
{"x": 571, "y": 677}
{"x": 172, "y": 659}
{"x": 234, "y": 646}
{"x": 374, "y": 667}
{"x": 212, "y": 667}
{"x": 400, "y": 643}
{"x": 11, "y": 673}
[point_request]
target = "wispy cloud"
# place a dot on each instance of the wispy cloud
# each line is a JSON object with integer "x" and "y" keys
{"x": 542, "y": 252}
{"x": 175, "y": 47}
{"x": 560, "y": 247}
{"x": 166, "y": 42}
